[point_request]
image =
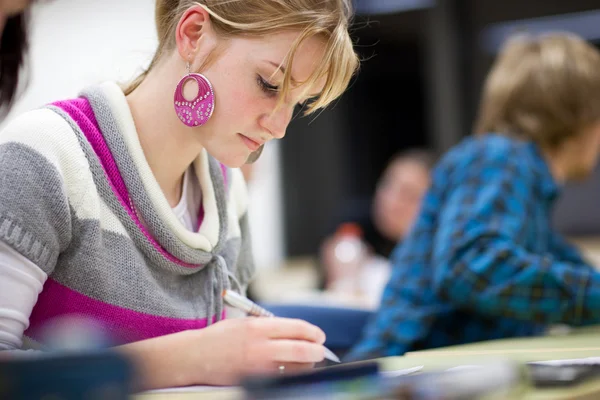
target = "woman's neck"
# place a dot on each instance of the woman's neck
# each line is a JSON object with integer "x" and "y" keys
{"x": 169, "y": 146}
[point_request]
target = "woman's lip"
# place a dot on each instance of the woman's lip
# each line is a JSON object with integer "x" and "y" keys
{"x": 251, "y": 144}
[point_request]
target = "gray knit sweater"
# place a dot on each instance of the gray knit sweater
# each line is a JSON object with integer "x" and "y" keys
{"x": 79, "y": 200}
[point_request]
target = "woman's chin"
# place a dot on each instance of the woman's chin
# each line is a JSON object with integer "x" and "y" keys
{"x": 233, "y": 161}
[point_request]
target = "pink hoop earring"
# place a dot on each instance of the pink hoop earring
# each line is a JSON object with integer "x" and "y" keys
{"x": 198, "y": 111}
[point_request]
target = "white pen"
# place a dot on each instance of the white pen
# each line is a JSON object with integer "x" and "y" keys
{"x": 251, "y": 308}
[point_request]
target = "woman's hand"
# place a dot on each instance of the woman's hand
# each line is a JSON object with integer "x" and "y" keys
{"x": 227, "y": 351}
{"x": 236, "y": 348}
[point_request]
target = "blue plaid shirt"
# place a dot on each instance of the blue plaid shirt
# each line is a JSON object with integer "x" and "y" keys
{"x": 482, "y": 261}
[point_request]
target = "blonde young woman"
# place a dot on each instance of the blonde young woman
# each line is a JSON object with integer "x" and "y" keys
{"x": 126, "y": 205}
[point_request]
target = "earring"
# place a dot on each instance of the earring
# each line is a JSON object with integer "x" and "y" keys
{"x": 255, "y": 155}
{"x": 198, "y": 111}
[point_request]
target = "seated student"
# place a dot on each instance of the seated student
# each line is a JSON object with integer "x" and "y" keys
{"x": 383, "y": 222}
{"x": 482, "y": 261}
{"x": 127, "y": 206}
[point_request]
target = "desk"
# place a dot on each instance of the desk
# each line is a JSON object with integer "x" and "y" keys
{"x": 233, "y": 394}
{"x": 579, "y": 343}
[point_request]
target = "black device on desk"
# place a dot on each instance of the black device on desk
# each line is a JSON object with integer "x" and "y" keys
{"x": 320, "y": 383}
{"x": 86, "y": 375}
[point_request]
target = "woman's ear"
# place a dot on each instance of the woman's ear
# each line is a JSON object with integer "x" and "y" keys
{"x": 195, "y": 35}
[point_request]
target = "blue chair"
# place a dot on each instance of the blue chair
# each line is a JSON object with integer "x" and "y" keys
{"x": 343, "y": 326}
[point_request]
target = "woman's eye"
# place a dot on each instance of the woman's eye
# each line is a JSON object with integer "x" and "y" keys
{"x": 267, "y": 87}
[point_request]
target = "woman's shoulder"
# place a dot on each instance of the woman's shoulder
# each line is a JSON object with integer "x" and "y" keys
{"x": 39, "y": 125}
{"x": 44, "y": 132}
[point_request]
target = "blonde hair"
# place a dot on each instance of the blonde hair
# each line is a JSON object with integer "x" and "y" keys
{"x": 327, "y": 19}
{"x": 544, "y": 89}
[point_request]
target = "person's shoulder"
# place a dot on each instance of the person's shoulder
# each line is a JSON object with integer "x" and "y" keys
{"x": 485, "y": 152}
{"x": 489, "y": 146}
{"x": 36, "y": 128}
{"x": 46, "y": 133}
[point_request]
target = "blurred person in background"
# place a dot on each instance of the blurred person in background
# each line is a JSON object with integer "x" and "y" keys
{"x": 381, "y": 225}
{"x": 483, "y": 261}
{"x": 13, "y": 48}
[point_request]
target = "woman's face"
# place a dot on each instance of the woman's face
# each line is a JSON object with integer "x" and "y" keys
{"x": 246, "y": 78}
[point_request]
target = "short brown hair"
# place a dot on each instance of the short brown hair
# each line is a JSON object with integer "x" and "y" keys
{"x": 544, "y": 88}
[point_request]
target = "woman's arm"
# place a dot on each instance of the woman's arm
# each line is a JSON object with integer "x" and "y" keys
{"x": 21, "y": 281}
{"x": 225, "y": 352}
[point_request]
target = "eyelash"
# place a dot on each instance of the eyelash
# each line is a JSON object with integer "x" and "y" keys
{"x": 266, "y": 87}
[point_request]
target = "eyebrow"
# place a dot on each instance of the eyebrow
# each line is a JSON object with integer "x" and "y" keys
{"x": 281, "y": 68}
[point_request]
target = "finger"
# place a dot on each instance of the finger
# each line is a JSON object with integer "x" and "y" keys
{"x": 296, "y": 351}
{"x": 290, "y": 328}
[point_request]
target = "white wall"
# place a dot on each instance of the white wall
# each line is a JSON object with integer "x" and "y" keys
{"x": 76, "y": 43}
{"x": 266, "y": 213}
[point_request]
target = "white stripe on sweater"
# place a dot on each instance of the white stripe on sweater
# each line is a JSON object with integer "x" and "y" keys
{"x": 50, "y": 135}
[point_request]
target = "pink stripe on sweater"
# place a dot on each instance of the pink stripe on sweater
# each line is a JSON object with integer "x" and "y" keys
{"x": 224, "y": 172}
{"x": 121, "y": 324}
{"x": 82, "y": 113}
